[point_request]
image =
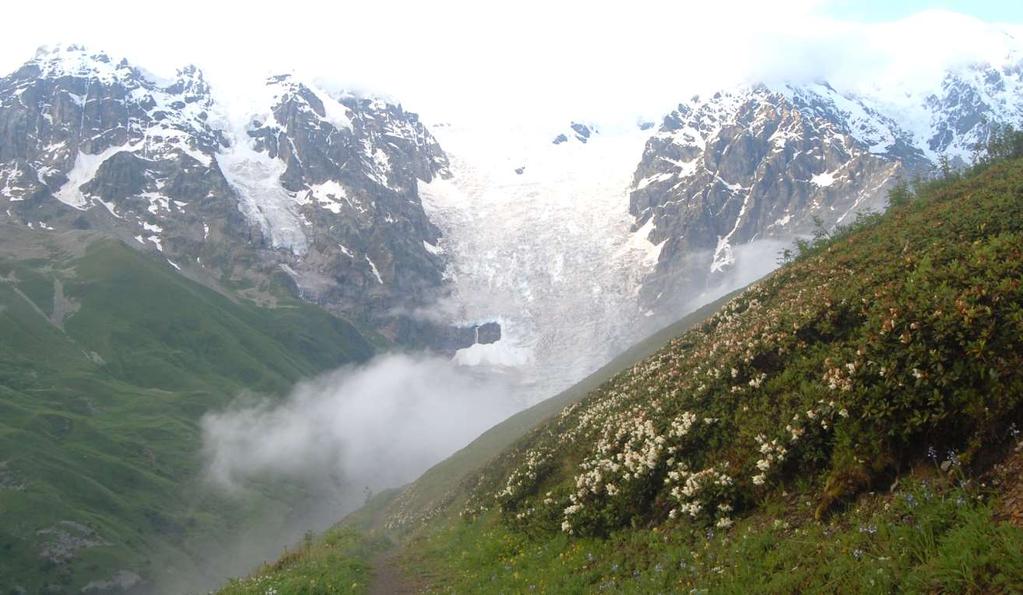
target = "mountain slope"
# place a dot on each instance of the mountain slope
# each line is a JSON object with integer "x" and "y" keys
{"x": 830, "y": 378}
{"x": 733, "y": 171}
{"x": 754, "y": 164}
{"x": 439, "y": 488}
{"x": 584, "y": 245}
{"x": 322, "y": 187}
{"x": 833, "y": 427}
{"x": 108, "y": 360}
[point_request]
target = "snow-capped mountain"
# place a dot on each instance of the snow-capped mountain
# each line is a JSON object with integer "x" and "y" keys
{"x": 305, "y": 188}
{"x": 756, "y": 163}
{"x": 579, "y": 235}
{"x": 579, "y": 252}
{"x": 774, "y": 162}
{"x": 955, "y": 117}
{"x": 333, "y": 181}
{"x": 539, "y": 237}
{"x": 70, "y": 117}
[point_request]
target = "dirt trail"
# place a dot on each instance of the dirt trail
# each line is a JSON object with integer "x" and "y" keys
{"x": 388, "y": 576}
{"x": 59, "y": 304}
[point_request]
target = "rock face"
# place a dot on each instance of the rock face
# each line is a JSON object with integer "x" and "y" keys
{"x": 576, "y": 132}
{"x": 958, "y": 116}
{"x": 311, "y": 192}
{"x": 78, "y": 132}
{"x": 779, "y": 162}
{"x": 318, "y": 193}
{"x": 345, "y": 204}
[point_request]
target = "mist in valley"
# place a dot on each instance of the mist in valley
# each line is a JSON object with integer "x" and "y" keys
{"x": 303, "y": 462}
{"x": 335, "y": 440}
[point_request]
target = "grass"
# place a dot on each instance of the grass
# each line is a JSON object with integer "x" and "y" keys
{"x": 338, "y": 563}
{"x": 789, "y": 443}
{"x": 924, "y": 538}
{"x": 841, "y": 367}
{"x": 99, "y": 419}
{"x": 440, "y": 488}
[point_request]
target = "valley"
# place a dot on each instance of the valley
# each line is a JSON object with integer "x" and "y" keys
{"x": 283, "y": 333}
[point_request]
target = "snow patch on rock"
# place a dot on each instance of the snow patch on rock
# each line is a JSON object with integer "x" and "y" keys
{"x": 82, "y": 173}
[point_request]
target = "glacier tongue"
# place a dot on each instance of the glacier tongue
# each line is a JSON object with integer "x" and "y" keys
{"x": 540, "y": 237}
{"x": 256, "y": 178}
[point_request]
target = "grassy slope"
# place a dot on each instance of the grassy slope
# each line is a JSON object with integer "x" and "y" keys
{"x": 830, "y": 379}
{"x": 828, "y": 430}
{"x": 439, "y": 488}
{"x": 339, "y": 562}
{"x": 390, "y": 516}
{"x": 98, "y": 419}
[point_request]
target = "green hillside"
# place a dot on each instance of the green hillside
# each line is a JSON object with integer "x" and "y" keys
{"x": 849, "y": 424}
{"x": 439, "y": 489}
{"x": 108, "y": 359}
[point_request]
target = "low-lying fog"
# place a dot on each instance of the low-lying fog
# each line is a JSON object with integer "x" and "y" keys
{"x": 563, "y": 277}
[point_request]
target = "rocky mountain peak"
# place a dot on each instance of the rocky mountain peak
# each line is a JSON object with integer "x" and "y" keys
{"x": 577, "y": 132}
{"x": 755, "y": 162}
{"x": 315, "y": 190}
{"x": 191, "y": 85}
{"x": 776, "y": 160}
{"x": 969, "y": 100}
{"x": 75, "y": 61}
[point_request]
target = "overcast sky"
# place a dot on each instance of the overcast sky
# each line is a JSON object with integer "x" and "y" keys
{"x": 545, "y": 60}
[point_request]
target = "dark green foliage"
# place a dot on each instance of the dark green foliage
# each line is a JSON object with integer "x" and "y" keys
{"x": 1005, "y": 142}
{"x": 900, "y": 194}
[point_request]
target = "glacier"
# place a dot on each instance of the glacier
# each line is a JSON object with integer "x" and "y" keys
{"x": 550, "y": 252}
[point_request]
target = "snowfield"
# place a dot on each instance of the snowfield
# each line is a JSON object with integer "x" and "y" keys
{"x": 549, "y": 252}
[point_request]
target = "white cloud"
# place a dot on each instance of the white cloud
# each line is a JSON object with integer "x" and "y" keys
{"x": 526, "y": 59}
{"x": 378, "y": 426}
{"x": 374, "y": 426}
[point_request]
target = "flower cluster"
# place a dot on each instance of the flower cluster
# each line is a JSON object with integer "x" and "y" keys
{"x": 627, "y": 452}
{"x": 706, "y": 492}
{"x": 681, "y": 425}
{"x": 771, "y": 454}
{"x": 711, "y": 419}
{"x": 525, "y": 477}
